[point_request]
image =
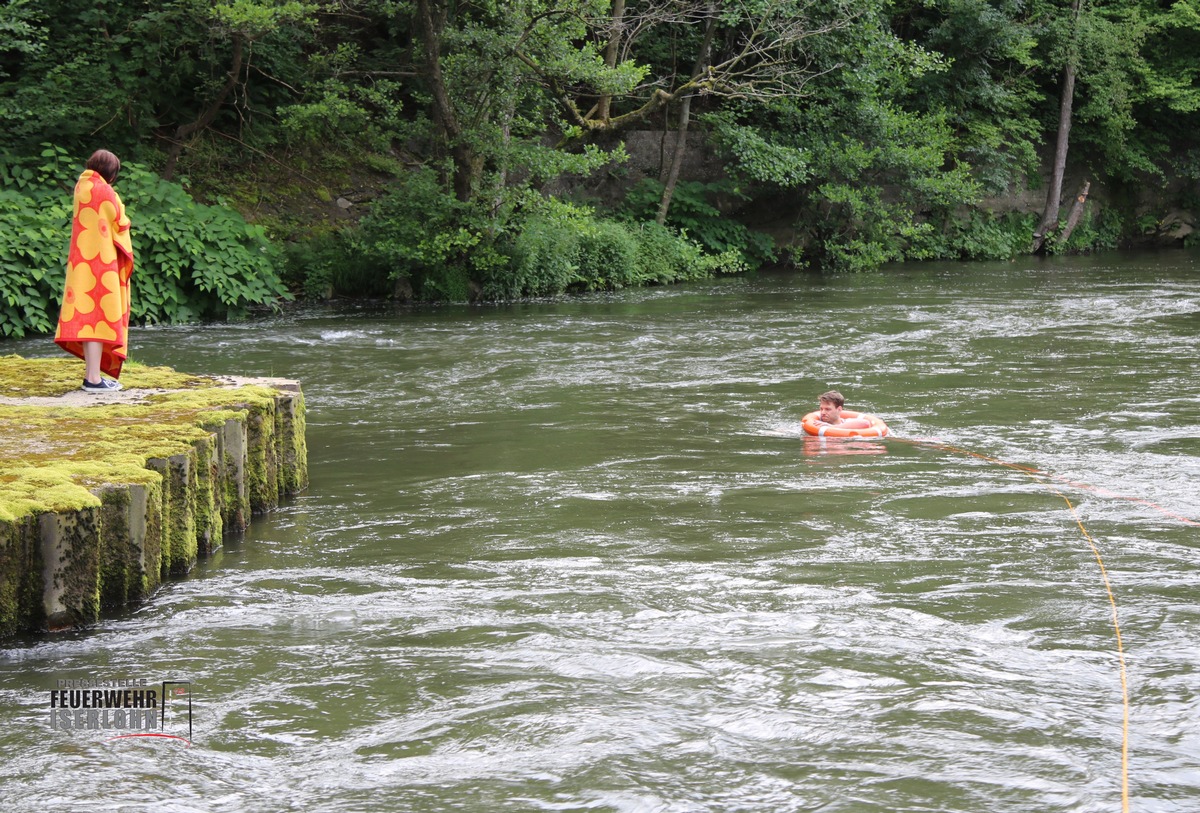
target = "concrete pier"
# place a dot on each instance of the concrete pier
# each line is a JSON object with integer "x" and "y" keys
{"x": 104, "y": 496}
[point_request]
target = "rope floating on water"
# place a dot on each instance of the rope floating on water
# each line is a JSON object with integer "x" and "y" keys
{"x": 1120, "y": 649}
{"x": 1039, "y": 477}
{"x": 1030, "y": 470}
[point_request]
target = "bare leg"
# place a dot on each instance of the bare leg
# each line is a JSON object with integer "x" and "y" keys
{"x": 91, "y": 361}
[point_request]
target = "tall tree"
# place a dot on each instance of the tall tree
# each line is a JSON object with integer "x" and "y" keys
{"x": 431, "y": 23}
{"x": 685, "y": 116}
{"x": 20, "y": 33}
{"x": 866, "y": 162}
{"x": 1097, "y": 48}
{"x": 1058, "y": 168}
{"x": 489, "y": 118}
{"x": 1167, "y": 104}
{"x": 986, "y": 83}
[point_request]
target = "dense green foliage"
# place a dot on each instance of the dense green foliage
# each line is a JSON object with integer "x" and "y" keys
{"x": 485, "y": 140}
{"x": 438, "y": 247}
{"x": 191, "y": 261}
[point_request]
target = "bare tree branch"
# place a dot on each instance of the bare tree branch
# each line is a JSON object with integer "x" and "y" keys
{"x": 763, "y": 55}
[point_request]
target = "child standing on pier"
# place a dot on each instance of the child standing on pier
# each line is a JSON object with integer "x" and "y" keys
{"x": 93, "y": 323}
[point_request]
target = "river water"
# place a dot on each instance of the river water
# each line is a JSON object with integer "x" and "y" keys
{"x": 578, "y": 555}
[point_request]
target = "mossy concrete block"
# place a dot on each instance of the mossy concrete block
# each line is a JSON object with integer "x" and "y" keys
{"x": 70, "y": 567}
{"x": 20, "y": 576}
{"x": 180, "y": 546}
{"x": 291, "y": 447}
{"x": 150, "y": 496}
{"x": 104, "y": 496}
{"x": 119, "y": 565}
{"x": 207, "y": 496}
{"x": 262, "y": 457}
{"x": 130, "y": 543}
{"x": 231, "y": 456}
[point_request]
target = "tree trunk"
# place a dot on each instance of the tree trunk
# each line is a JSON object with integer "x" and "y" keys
{"x": 467, "y": 165}
{"x": 506, "y": 120}
{"x": 1076, "y": 212}
{"x": 1066, "y": 103}
{"x": 664, "y": 204}
{"x": 685, "y": 115}
{"x": 186, "y": 131}
{"x": 604, "y": 108}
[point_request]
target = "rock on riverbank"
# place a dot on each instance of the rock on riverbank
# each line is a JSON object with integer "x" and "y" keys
{"x": 104, "y": 496}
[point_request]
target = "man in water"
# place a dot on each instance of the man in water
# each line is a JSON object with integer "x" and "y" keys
{"x": 829, "y": 408}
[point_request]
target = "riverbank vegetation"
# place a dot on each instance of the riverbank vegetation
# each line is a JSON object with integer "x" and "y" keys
{"x": 436, "y": 150}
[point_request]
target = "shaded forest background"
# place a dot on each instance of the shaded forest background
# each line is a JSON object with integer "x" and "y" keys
{"x": 435, "y": 150}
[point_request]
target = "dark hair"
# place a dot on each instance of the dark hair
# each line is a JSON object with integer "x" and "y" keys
{"x": 107, "y": 164}
{"x": 834, "y": 397}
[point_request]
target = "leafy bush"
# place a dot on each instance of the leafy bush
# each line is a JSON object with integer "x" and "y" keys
{"x": 551, "y": 245}
{"x": 693, "y": 214}
{"x": 857, "y": 230}
{"x": 197, "y": 261}
{"x": 191, "y": 261}
{"x": 427, "y": 238}
{"x": 562, "y": 247}
{"x": 660, "y": 256}
{"x": 528, "y": 246}
{"x": 327, "y": 263}
{"x": 979, "y": 236}
{"x": 35, "y": 224}
{"x": 1095, "y": 232}
{"x": 544, "y": 260}
{"x": 665, "y": 257}
{"x": 608, "y": 253}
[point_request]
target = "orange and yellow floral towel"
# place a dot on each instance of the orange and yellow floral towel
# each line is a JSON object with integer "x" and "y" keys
{"x": 95, "y": 304}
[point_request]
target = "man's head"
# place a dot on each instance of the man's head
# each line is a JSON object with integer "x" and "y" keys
{"x": 830, "y": 406}
{"x": 834, "y": 397}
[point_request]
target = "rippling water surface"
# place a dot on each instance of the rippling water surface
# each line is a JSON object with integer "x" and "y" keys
{"x": 578, "y": 556}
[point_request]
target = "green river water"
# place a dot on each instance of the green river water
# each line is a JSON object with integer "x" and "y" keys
{"x": 577, "y": 555}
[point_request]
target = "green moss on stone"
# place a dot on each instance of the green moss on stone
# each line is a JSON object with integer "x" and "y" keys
{"x": 182, "y": 525}
{"x": 262, "y": 478}
{"x": 129, "y": 490}
{"x": 236, "y": 499}
{"x": 206, "y": 496}
{"x": 152, "y": 544}
{"x": 20, "y": 576}
{"x": 53, "y": 456}
{"x": 117, "y": 566}
{"x": 71, "y": 567}
{"x": 292, "y": 446}
{"x": 50, "y": 378}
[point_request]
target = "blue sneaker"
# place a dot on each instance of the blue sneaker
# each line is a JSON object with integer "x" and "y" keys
{"x": 105, "y": 385}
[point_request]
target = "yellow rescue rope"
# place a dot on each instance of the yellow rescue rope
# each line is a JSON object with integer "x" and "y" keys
{"x": 1038, "y": 476}
{"x": 1120, "y": 650}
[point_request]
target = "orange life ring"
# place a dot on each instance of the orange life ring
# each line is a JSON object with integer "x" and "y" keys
{"x": 877, "y": 429}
